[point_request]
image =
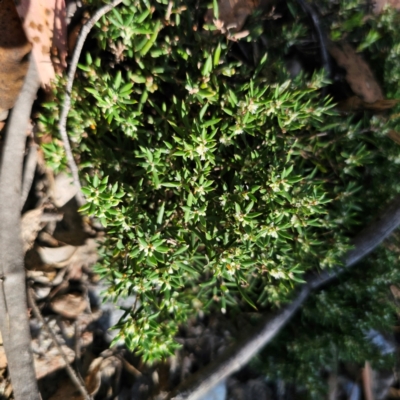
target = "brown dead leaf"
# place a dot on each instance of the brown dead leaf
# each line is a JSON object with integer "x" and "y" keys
{"x": 381, "y": 105}
{"x": 104, "y": 372}
{"x": 6, "y": 388}
{"x": 86, "y": 339}
{"x": 41, "y": 292}
{"x": 31, "y": 224}
{"x": 50, "y": 276}
{"x": 69, "y": 305}
{"x": 109, "y": 367}
{"x": 56, "y": 256}
{"x": 33, "y": 262}
{"x": 38, "y": 277}
{"x": 395, "y": 291}
{"x": 232, "y": 14}
{"x": 93, "y": 377}
{"x": 128, "y": 367}
{"x": 379, "y": 5}
{"x": 354, "y": 103}
{"x": 3, "y": 358}
{"x": 14, "y": 47}
{"x": 395, "y": 136}
{"x": 85, "y": 256}
{"x": 52, "y": 361}
{"x": 394, "y": 393}
{"x": 358, "y": 74}
{"x": 47, "y": 240}
{"x": 44, "y": 22}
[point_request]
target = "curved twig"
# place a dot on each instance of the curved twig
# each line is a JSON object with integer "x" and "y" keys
{"x": 62, "y": 125}
{"x": 236, "y": 357}
{"x": 72, "y": 374}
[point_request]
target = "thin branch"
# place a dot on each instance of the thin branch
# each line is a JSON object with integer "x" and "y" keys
{"x": 238, "y": 356}
{"x": 67, "y": 100}
{"x": 73, "y": 376}
{"x": 14, "y": 322}
{"x": 77, "y": 350}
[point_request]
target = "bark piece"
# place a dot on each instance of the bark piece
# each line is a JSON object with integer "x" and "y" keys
{"x": 14, "y": 48}
{"x": 44, "y": 22}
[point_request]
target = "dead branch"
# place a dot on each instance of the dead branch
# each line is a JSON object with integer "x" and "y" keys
{"x": 67, "y": 100}
{"x": 14, "y": 322}
{"x": 71, "y": 373}
{"x": 238, "y": 356}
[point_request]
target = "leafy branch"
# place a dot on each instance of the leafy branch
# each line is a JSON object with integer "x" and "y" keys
{"x": 238, "y": 356}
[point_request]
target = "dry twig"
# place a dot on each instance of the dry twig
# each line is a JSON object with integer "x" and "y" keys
{"x": 72, "y": 374}
{"x": 67, "y": 100}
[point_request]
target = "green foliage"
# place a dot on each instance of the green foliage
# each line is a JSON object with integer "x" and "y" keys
{"x": 334, "y": 324}
{"x": 220, "y": 182}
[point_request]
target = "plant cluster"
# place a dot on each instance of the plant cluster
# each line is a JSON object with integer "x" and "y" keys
{"x": 338, "y": 327}
{"x": 220, "y": 181}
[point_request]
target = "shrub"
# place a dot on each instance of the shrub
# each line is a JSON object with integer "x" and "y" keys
{"x": 219, "y": 179}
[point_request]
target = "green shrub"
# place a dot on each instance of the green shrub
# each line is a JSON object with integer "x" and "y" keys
{"x": 219, "y": 181}
{"x": 334, "y": 329}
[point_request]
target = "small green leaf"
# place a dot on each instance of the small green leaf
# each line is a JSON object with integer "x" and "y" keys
{"x": 216, "y": 9}
{"x": 170, "y": 184}
{"x": 207, "y": 67}
{"x": 118, "y": 80}
{"x": 160, "y": 215}
{"x": 245, "y": 296}
{"x": 217, "y": 53}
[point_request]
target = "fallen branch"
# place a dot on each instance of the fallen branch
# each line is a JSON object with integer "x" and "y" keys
{"x": 238, "y": 356}
{"x": 67, "y": 100}
{"x": 75, "y": 378}
{"x": 14, "y": 322}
